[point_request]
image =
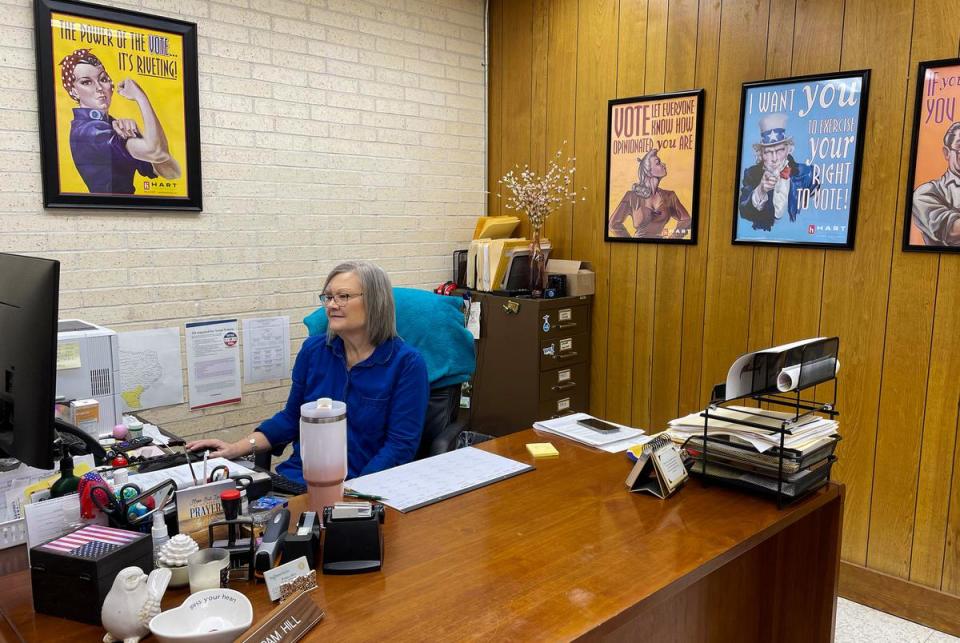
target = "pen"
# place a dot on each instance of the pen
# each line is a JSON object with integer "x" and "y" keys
{"x": 350, "y": 493}
{"x": 186, "y": 454}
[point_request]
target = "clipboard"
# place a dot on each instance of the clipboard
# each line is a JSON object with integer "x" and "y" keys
{"x": 659, "y": 469}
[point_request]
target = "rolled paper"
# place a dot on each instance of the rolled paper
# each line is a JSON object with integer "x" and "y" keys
{"x": 816, "y": 371}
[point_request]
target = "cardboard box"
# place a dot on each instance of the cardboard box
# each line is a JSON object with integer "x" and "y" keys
{"x": 581, "y": 280}
{"x": 86, "y": 415}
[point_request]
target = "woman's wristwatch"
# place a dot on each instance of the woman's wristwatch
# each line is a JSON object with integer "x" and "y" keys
{"x": 253, "y": 445}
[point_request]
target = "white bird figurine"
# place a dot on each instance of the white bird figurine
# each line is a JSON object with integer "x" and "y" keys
{"x": 133, "y": 600}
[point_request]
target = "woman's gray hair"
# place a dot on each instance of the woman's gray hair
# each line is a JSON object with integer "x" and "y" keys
{"x": 377, "y": 299}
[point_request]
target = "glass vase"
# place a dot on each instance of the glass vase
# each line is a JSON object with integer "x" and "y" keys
{"x": 538, "y": 266}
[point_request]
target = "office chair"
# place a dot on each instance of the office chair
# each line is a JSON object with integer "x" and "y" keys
{"x": 434, "y": 325}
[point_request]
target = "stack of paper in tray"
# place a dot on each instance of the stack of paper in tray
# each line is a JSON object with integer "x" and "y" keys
{"x": 751, "y": 454}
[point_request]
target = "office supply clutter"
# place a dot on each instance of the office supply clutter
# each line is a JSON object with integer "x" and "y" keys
{"x": 659, "y": 468}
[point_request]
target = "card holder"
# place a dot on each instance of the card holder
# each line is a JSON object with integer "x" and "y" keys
{"x": 659, "y": 469}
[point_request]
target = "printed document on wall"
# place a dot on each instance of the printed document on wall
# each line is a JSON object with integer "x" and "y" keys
{"x": 213, "y": 363}
{"x": 151, "y": 372}
{"x": 266, "y": 349}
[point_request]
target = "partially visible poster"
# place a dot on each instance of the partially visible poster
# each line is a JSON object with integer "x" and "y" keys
{"x": 800, "y": 148}
{"x": 932, "y": 221}
{"x": 151, "y": 373}
{"x": 119, "y": 117}
{"x": 653, "y": 168}
{"x": 266, "y": 349}
{"x": 213, "y": 363}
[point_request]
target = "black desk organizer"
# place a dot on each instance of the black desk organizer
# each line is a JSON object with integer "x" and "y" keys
{"x": 763, "y": 392}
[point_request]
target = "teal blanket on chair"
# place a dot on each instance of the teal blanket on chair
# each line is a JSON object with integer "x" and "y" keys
{"x": 433, "y": 324}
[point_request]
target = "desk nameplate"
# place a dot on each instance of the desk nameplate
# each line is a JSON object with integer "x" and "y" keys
{"x": 288, "y": 622}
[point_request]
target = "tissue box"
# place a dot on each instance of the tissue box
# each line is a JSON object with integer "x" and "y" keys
{"x": 72, "y": 574}
{"x": 581, "y": 279}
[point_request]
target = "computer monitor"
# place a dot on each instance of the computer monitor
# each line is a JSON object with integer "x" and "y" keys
{"x": 29, "y": 296}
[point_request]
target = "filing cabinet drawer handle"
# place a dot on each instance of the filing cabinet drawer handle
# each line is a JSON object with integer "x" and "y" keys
{"x": 567, "y": 355}
{"x": 560, "y": 415}
{"x": 564, "y": 386}
{"x": 566, "y": 326}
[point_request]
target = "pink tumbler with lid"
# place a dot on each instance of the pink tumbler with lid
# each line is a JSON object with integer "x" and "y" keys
{"x": 323, "y": 449}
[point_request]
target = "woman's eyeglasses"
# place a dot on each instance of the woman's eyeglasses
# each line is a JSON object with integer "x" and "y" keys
{"x": 340, "y": 299}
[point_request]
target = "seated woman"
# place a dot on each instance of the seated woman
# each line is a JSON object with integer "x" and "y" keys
{"x": 360, "y": 361}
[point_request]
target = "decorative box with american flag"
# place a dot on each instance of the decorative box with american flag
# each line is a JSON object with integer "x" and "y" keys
{"x": 72, "y": 574}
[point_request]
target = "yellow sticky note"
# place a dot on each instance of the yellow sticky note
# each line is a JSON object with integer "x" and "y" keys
{"x": 542, "y": 450}
{"x": 68, "y": 355}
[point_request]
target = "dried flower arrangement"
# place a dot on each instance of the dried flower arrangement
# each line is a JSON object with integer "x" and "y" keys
{"x": 538, "y": 196}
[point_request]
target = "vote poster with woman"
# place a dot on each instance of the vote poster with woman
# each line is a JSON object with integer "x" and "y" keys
{"x": 119, "y": 113}
{"x": 653, "y": 168}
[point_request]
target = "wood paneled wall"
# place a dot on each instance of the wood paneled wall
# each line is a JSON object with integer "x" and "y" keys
{"x": 669, "y": 320}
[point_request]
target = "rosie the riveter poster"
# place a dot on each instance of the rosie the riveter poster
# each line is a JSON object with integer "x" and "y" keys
{"x": 119, "y": 125}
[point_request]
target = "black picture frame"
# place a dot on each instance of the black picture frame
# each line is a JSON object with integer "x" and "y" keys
{"x": 930, "y": 136}
{"x": 641, "y": 143}
{"x": 826, "y": 129}
{"x": 165, "y": 190}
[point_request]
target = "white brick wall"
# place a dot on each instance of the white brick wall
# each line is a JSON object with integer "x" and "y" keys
{"x": 331, "y": 129}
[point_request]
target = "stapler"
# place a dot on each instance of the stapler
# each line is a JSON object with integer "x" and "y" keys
{"x": 271, "y": 545}
{"x": 306, "y": 540}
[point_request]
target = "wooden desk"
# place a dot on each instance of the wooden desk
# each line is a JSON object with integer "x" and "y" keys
{"x": 565, "y": 552}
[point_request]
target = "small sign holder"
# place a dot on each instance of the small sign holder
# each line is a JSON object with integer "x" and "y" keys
{"x": 659, "y": 469}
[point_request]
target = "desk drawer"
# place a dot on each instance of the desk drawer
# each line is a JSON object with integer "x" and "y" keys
{"x": 564, "y": 320}
{"x": 574, "y": 402}
{"x": 561, "y": 350}
{"x": 564, "y": 382}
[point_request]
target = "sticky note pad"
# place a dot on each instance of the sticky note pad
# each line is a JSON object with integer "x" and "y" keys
{"x": 542, "y": 450}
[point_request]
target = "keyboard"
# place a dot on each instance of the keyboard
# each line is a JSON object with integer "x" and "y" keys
{"x": 284, "y": 485}
{"x": 166, "y": 461}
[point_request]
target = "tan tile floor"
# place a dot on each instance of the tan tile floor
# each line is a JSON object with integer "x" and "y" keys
{"x": 860, "y": 624}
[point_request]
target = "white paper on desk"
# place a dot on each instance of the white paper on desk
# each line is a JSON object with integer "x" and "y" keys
{"x": 181, "y": 473}
{"x": 213, "y": 363}
{"x": 622, "y": 445}
{"x": 423, "y": 482}
{"x": 151, "y": 372}
{"x": 266, "y": 349}
{"x": 567, "y": 427}
{"x": 55, "y": 517}
{"x": 153, "y": 431}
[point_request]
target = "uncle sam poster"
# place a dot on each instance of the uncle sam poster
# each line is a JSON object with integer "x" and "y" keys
{"x": 800, "y": 149}
{"x": 119, "y": 109}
